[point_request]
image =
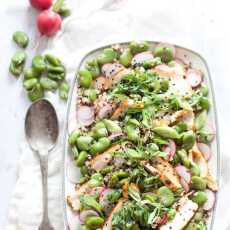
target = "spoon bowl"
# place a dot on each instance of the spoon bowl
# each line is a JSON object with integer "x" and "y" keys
{"x": 41, "y": 125}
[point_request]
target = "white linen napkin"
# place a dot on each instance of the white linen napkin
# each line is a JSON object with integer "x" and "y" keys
{"x": 96, "y": 23}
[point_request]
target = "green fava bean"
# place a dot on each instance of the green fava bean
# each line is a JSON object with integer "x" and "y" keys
{"x": 133, "y": 133}
{"x": 36, "y": 93}
{"x": 164, "y": 85}
{"x": 56, "y": 76}
{"x": 167, "y": 132}
{"x": 198, "y": 183}
{"x": 85, "y": 78}
{"x": 38, "y": 64}
{"x": 201, "y": 120}
{"x": 96, "y": 180}
{"x": 91, "y": 94}
{"x": 204, "y": 103}
{"x": 204, "y": 90}
{"x": 200, "y": 198}
{"x": 102, "y": 132}
{"x": 30, "y": 74}
{"x": 195, "y": 170}
{"x": 126, "y": 57}
{"x": 55, "y": 69}
{"x": 93, "y": 67}
{"x": 84, "y": 170}
{"x": 166, "y": 196}
{"x": 84, "y": 142}
{"x": 73, "y": 137}
{"x": 184, "y": 158}
{"x": 137, "y": 47}
{"x": 99, "y": 125}
{"x": 21, "y": 39}
{"x": 112, "y": 126}
{"x": 15, "y": 70}
{"x": 81, "y": 158}
{"x": 188, "y": 140}
{"x": 64, "y": 90}
{"x": 94, "y": 222}
{"x": 100, "y": 146}
{"x": 51, "y": 59}
{"x": 30, "y": 83}
{"x": 107, "y": 56}
{"x": 84, "y": 227}
{"x": 171, "y": 213}
{"x": 166, "y": 54}
{"x": 48, "y": 84}
{"x": 19, "y": 58}
{"x": 147, "y": 64}
{"x": 192, "y": 226}
{"x": 75, "y": 152}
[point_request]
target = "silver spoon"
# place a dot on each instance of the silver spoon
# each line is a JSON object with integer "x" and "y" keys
{"x": 41, "y": 128}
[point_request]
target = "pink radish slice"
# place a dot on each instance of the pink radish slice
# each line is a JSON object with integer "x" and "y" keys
{"x": 49, "y": 23}
{"x": 205, "y": 150}
{"x": 85, "y": 115}
{"x": 96, "y": 190}
{"x": 72, "y": 172}
{"x": 184, "y": 184}
{"x": 111, "y": 69}
{"x": 105, "y": 111}
{"x": 194, "y": 77}
{"x": 170, "y": 149}
{"x": 168, "y": 45}
{"x": 86, "y": 213}
{"x": 41, "y": 4}
{"x": 183, "y": 173}
{"x": 140, "y": 57}
{"x": 163, "y": 220}
{"x": 115, "y": 135}
{"x": 209, "y": 204}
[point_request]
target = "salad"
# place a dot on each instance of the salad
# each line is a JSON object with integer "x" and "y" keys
{"x": 142, "y": 142}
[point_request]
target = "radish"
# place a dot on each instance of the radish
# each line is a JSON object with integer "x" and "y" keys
{"x": 184, "y": 185}
{"x": 111, "y": 69}
{"x": 85, "y": 115}
{"x": 170, "y": 149}
{"x": 183, "y": 173}
{"x": 113, "y": 136}
{"x": 96, "y": 190}
{"x": 86, "y": 213}
{"x": 205, "y": 150}
{"x": 194, "y": 77}
{"x": 140, "y": 57}
{"x": 41, "y": 4}
{"x": 72, "y": 172}
{"x": 49, "y": 23}
{"x": 209, "y": 204}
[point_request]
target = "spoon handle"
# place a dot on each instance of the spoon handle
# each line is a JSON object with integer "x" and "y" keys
{"x": 44, "y": 172}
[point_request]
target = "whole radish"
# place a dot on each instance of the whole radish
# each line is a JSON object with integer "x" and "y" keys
{"x": 49, "y": 23}
{"x": 41, "y": 4}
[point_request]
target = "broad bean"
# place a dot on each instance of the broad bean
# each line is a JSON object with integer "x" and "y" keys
{"x": 48, "y": 84}
{"x": 85, "y": 78}
{"x": 21, "y": 39}
{"x": 82, "y": 157}
{"x": 84, "y": 142}
{"x": 126, "y": 57}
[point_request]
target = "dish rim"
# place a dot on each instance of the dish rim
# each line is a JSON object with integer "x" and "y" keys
{"x": 70, "y": 98}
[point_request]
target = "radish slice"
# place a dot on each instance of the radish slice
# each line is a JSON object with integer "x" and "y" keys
{"x": 85, "y": 115}
{"x": 96, "y": 190}
{"x": 86, "y": 213}
{"x": 170, "y": 149}
{"x": 140, "y": 57}
{"x": 184, "y": 185}
{"x": 163, "y": 220}
{"x": 205, "y": 150}
{"x": 194, "y": 77}
{"x": 115, "y": 135}
{"x": 183, "y": 173}
{"x": 209, "y": 204}
{"x": 111, "y": 69}
{"x": 73, "y": 174}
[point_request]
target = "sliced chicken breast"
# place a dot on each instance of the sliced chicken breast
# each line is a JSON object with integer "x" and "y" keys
{"x": 186, "y": 211}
